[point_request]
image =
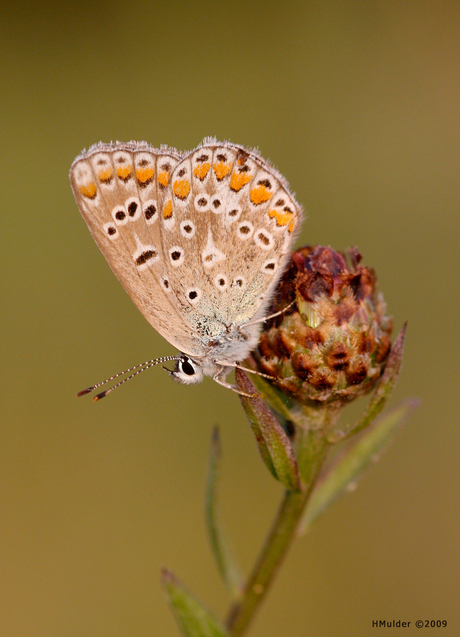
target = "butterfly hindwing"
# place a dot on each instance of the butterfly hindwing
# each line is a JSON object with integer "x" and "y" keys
{"x": 228, "y": 234}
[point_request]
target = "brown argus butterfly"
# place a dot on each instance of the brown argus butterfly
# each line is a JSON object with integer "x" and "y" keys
{"x": 197, "y": 239}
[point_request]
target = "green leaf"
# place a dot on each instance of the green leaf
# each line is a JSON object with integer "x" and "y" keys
{"x": 221, "y": 550}
{"x": 194, "y": 620}
{"x": 274, "y": 445}
{"x": 348, "y": 467}
{"x": 385, "y": 386}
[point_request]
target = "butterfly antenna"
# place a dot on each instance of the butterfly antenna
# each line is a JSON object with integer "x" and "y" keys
{"x": 140, "y": 368}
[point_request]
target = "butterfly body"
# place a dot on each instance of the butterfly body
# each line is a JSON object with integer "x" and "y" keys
{"x": 198, "y": 240}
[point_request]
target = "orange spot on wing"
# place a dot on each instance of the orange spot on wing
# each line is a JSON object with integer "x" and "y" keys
{"x": 89, "y": 190}
{"x": 124, "y": 171}
{"x": 282, "y": 218}
{"x": 291, "y": 227}
{"x": 105, "y": 175}
{"x": 238, "y": 180}
{"x": 181, "y": 188}
{"x": 168, "y": 210}
{"x": 260, "y": 194}
{"x": 163, "y": 178}
{"x": 221, "y": 169}
{"x": 201, "y": 170}
{"x": 144, "y": 174}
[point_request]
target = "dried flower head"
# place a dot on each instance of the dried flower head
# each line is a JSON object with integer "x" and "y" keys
{"x": 333, "y": 342}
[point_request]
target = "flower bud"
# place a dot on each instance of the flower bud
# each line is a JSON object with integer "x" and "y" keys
{"x": 332, "y": 343}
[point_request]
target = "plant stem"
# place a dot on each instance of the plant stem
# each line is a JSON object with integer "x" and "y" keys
{"x": 314, "y": 447}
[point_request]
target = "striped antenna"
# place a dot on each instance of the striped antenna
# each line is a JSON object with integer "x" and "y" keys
{"x": 140, "y": 368}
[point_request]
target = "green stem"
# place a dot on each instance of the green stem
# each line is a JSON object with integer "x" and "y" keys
{"x": 280, "y": 536}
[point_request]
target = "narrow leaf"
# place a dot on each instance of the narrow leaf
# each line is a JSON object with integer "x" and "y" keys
{"x": 220, "y": 548}
{"x": 272, "y": 397}
{"x": 194, "y": 620}
{"x": 274, "y": 445}
{"x": 276, "y": 399}
{"x": 349, "y": 467}
{"x": 385, "y": 386}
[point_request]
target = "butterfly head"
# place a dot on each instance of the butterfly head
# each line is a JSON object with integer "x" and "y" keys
{"x": 187, "y": 371}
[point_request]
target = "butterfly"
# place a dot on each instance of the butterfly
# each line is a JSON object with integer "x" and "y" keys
{"x": 198, "y": 240}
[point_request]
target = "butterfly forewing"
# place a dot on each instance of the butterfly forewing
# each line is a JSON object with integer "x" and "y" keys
{"x": 120, "y": 190}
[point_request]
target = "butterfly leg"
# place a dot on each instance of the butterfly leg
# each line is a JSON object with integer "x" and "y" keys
{"x": 270, "y": 316}
{"x": 245, "y": 335}
{"x": 228, "y": 386}
{"x": 245, "y": 369}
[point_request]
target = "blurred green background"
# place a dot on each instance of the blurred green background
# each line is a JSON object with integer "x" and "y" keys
{"x": 357, "y": 103}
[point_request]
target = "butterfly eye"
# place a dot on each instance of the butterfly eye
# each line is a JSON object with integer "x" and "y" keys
{"x": 187, "y": 371}
{"x": 186, "y": 366}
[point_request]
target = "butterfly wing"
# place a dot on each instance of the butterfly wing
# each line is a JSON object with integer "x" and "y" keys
{"x": 121, "y": 191}
{"x": 230, "y": 228}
